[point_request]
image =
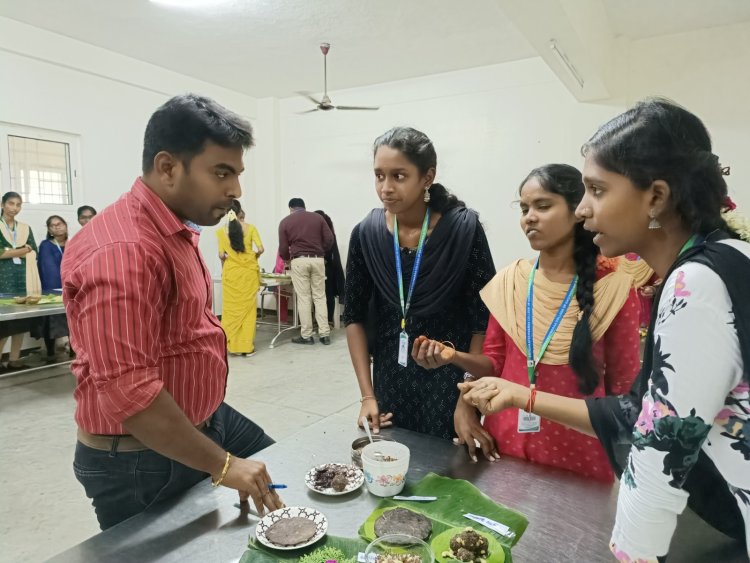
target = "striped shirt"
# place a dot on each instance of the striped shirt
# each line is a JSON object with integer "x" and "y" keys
{"x": 138, "y": 298}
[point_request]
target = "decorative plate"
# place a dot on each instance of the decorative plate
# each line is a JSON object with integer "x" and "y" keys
{"x": 355, "y": 479}
{"x": 321, "y": 523}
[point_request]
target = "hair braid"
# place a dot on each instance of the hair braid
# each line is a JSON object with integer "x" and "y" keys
{"x": 581, "y": 358}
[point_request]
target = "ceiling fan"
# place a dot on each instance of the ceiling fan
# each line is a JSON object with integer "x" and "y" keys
{"x": 325, "y": 104}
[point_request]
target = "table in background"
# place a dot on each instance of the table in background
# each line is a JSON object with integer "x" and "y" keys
{"x": 570, "y": 518}
{"x": 15, "y": 312}
{"x": 279, "y": 282}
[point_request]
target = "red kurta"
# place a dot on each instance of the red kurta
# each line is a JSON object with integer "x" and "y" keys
{"x": 556, "y": 445}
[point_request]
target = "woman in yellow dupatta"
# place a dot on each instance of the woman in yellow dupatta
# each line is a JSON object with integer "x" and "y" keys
{"x": 18, "y": 273}
{"x": 240, "y": 277}
{"x": 582, "y": 316}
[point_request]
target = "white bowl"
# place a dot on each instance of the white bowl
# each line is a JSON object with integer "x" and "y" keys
{"x": 399, "y": 543}
{"x": 385, "y": 465}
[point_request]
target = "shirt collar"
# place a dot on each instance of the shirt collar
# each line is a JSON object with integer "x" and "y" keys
{"x": 164, "y": 218}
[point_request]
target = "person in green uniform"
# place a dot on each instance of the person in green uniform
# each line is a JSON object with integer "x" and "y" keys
{"x": 19, "y": 275}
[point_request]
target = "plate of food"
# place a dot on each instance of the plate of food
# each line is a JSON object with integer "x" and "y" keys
{"x": 291, "y": 527}
{"x": 405, "y": 522}
{"x": 334, "y": 478}
{"x": 467, "y": 544}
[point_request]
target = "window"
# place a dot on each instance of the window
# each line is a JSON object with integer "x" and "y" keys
{"x": 40, "y": 170}
{"x": 39, "y": 165}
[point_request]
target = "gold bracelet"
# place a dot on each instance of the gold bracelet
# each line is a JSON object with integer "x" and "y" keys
{"x": 363, "y": 399}
{"x": 223, "y": 471}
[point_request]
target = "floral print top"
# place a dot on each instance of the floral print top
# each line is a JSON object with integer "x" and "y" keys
{"x": 696, "y": 399}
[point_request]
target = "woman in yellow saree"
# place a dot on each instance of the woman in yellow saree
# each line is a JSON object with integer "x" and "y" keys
{"x": 239, "y": 249}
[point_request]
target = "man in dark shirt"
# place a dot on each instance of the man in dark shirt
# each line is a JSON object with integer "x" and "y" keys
{"x": 304, "y": 238}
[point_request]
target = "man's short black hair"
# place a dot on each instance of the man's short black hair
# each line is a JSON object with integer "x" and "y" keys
{"x": 183, "y": 124}
{"x": 84, "y": 208}
{"x": 296, "y": 202}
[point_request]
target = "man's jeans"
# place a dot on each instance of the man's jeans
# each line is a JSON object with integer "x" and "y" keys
{"x": 123, "y": 484}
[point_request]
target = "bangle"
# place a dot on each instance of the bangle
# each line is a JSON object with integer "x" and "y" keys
{"x": 363, "y": 399}
{"x": 223, "y": 471}
{"x": 532, "y": 399}
{"x": 449, "y": 343}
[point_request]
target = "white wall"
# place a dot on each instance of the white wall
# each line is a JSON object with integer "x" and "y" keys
{"x": 490, "y": 126}
{"x": 53, "y": 82}
{"x": 708, "y": 72}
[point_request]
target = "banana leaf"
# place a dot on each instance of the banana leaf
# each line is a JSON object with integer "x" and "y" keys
{"x": 456, "y": 497}
{"x": 258, "y": 553}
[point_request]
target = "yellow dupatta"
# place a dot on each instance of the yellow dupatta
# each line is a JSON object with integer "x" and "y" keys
{"x": 638, "y": 270}
{"x": 505, "y": 297}
{"x": 33, "y": 282}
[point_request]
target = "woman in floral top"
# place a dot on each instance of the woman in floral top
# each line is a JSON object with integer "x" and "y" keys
{"x": 682, "y": 436}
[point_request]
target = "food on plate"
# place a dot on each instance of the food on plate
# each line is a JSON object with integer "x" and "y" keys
{"x": 339, "y": 482}
{"x": 468, "y": 546}
{"x": 336, "y": 476}
{"x": 291, "y": 531}
{"x": 398, "y": 558}
{"x": 403, "y": 521}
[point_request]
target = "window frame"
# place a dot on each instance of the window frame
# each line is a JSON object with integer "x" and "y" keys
{"x": 74, "y": 154}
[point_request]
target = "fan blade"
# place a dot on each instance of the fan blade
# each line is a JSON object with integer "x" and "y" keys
{"x": 308, "y": 111}
{"x": 371, "y": 108}
{"x": 309, "y": 97}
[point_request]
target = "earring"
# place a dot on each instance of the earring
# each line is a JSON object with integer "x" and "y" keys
{"x": 427, "y": 194}
{"x": 654, "y": 223}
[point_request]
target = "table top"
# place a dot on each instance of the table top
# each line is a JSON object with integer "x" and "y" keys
{"x": 268, "y": 281}
{"x": 14, "y": 312}
{"x": 570, "y": 518}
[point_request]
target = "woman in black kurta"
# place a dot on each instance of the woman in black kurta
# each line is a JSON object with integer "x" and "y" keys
{"x": 445, "y": 305}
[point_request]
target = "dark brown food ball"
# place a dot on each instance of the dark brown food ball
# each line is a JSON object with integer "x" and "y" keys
{"x": 339, "y": 482}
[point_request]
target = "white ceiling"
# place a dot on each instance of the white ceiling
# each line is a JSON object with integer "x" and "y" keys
{"x": 270, "y": 47}
{"x": 638, "y": 19}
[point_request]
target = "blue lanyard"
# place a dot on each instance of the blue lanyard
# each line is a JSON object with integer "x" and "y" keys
{"x": 417, "y": 263}
{"x": 531, "y": 361}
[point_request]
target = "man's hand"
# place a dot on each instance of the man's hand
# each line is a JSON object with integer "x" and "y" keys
{"x": 251, "y": 479}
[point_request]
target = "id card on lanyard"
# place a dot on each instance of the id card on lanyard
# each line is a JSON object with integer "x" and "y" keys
{"x": 17, "y": 260}
{"x": 403, "y": 337}
{"x": 529, "y": 422}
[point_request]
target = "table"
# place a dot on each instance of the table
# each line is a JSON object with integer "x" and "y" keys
{"x": 281, "y": 282}
{"x": 570, "y": 518}
{"x": 15, "y": 312}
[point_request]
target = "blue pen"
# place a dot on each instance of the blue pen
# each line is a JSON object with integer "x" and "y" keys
{"x": 276, "y": 486}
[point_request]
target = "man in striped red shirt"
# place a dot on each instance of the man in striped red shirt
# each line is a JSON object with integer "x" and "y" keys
{"x": 151, "y": 365}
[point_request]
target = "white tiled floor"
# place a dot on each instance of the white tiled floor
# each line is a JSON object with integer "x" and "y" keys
{"x": 43, "y": 508}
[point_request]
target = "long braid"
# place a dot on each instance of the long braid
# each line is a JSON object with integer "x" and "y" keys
{"x": 581, "y": 358}
{"x": 234, "y": 230}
